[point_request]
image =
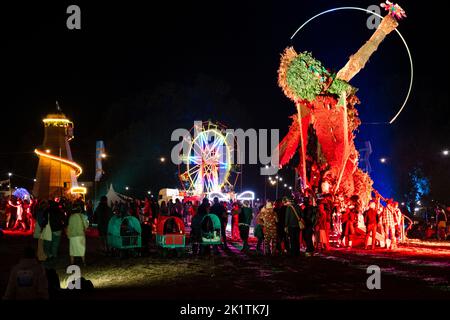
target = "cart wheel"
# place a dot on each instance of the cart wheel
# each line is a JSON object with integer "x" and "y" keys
{"x": 122, "y": 254}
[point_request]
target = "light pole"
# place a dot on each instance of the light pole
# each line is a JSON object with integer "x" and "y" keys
{"x": 265, "y": 186}
{"x": 276, "y": 193}
{"x": 272, "y": 182}
{"x": 265, "y": 191}
{"x": 9, "y": 183}
{"x": 98, "y": 177}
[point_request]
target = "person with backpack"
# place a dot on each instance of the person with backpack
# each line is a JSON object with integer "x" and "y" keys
{"x": 293, "y": 224}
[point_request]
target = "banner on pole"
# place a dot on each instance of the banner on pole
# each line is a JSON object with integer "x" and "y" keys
{"x": 100, "y": 150}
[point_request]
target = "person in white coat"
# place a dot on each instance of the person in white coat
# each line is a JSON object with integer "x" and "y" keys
{"x": 76, "y": 232}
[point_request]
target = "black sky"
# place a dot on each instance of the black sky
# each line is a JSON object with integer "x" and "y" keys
{"x": 135, "y": 72}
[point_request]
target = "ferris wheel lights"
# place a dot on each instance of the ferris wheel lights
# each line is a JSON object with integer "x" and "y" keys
{"x": 208, "y": 160}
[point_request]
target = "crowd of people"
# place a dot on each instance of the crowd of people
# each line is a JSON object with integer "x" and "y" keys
{"x": 280, "y": 227}
{"x": 286, "y": 226}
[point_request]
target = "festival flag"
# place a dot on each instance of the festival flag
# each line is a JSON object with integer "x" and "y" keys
{"x": 100, "y": 150}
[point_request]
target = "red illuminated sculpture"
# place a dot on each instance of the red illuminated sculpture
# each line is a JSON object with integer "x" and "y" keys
{"x": 323, "y": 129}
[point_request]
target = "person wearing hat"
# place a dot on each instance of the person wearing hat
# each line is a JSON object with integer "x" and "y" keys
{"x": 245, "y": 219}
{"x": 76, "y": 232}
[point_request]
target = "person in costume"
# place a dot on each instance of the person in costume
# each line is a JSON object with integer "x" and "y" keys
{"x": 269, "y": 220}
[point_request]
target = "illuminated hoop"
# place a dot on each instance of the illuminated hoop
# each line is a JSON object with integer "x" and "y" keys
{"x": 398, "y": 32}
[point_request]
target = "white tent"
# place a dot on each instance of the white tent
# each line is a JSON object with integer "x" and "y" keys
{"x": 113, "y": 196}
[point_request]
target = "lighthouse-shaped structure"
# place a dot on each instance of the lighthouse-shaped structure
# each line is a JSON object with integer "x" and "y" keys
{"x": 57, "y": 172}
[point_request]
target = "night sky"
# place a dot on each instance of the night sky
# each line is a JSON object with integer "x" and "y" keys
{"x": 134, "y": 73}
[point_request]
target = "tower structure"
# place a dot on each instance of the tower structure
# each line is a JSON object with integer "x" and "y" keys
{"x": 57, "y": 173}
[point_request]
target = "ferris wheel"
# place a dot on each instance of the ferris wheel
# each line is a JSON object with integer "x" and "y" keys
{"x": 207, "y": 165}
